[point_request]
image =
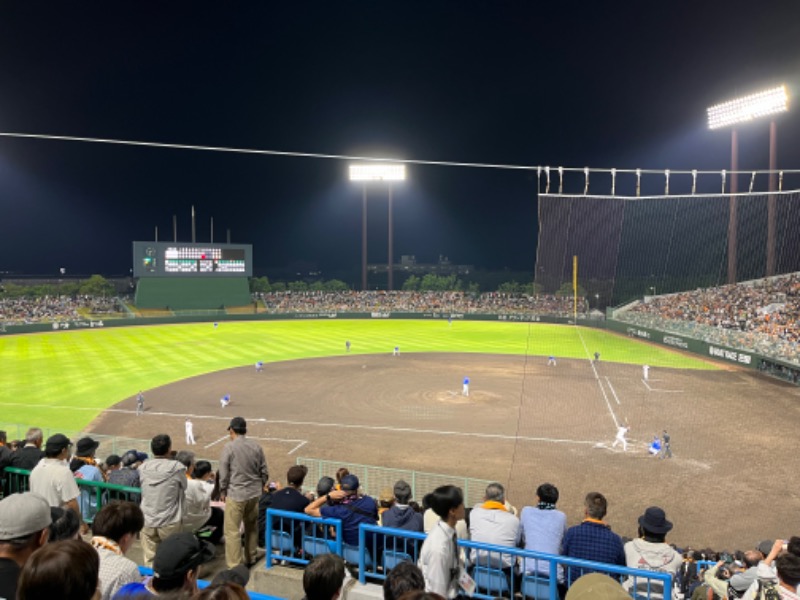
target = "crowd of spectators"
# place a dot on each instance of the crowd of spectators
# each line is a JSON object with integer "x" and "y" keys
{"x": 419, "y": 302}
{"x": 46, "y": 309}
{"x": 761, "y": 316}
{"x": 182, "y": 504}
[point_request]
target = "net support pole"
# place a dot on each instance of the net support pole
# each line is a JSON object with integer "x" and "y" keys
{"x": 390, "y": 265}
{"x": 771, "y": 200}
{"x": 575, "y": 288}
{"x": 364, "y": 238}
{"x": 732, "y": 207}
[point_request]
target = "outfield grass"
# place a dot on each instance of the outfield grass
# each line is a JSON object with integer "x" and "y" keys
{"x": 43, "y": 375}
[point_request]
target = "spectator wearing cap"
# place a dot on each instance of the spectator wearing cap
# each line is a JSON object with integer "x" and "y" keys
{"x": 198, "y": 512}
{"x": 128, "y": 473}
{"x": 51, "y": 477}
{"x": 401, "y": 515}
{"x": 292, "y": 499}
{"x": 175, "y": 568}
{"x": 593, "y": 538}
{"x": 347, "y": 505}
{"x": 491, "y": 523}
{"x": 24, "y": 527}
{"x": 649, "y": 552}
{"x": 543, "y": 528}
{"x": 115, "y": 529}
{"x": 163, "y": 482}
{"x": 84, "y": 466}
{"x": 31, "y": 453}
{"x": 242, "y": 475}
{"x": 83, "y": 458}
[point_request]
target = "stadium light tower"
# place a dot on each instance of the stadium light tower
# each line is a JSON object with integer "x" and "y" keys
{"x": 380, "y": 172}
{"x": 766, "y": 103}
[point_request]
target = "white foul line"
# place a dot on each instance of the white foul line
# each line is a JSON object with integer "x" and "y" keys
{"x": 599, "y": 382}
{"x": 497, "y": 436}
{"x": 296, "y": 448}
{"x": 649, "y": 389}
{"x": 611, "y": 387}
{"x": 224, "y": 437}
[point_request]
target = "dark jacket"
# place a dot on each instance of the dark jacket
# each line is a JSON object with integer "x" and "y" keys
{"x": 27, "y": 457}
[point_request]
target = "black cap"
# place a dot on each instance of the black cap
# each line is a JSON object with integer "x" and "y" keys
{"x": 180, "y": 553}
{"x": 237, "y": 423}
{"x": 57, "y": 442}
{"x": 85, "y": 446}
{"x": 350, "y": 483}
{"x": 239, "y": 574}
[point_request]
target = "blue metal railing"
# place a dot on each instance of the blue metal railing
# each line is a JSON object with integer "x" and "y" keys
{"x": 495, "y": 569}
{"x": 495, "y": 573}
{"x": 294, "y": 537}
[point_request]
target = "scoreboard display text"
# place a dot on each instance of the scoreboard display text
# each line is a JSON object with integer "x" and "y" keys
{"x": 175, "y": 259}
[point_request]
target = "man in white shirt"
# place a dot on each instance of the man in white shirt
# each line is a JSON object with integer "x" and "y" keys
{"x": 52, "y": 479}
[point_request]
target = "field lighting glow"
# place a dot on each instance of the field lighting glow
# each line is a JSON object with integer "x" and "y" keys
{"x": 377, "y": 172}
{"x": 747, "y": 108}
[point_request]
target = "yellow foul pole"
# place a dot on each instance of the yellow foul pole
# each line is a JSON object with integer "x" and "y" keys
{"x": 575, "y": 288}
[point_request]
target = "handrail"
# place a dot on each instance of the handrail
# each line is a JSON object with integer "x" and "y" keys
{"x": 554, "y": 561}
{"x": 294, "y": 517}
{"x": 99, "y": 490}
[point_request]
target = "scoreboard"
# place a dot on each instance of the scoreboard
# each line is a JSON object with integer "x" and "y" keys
{"x": 177, "y": 259}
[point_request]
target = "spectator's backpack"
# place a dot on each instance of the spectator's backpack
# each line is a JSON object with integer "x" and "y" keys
{"x": 767, "y": 590}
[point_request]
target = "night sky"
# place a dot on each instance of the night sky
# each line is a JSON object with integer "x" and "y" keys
{"x": 606, "y": 84}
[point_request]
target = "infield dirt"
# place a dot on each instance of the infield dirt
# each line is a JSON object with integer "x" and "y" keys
{"x": 731, "y": 483}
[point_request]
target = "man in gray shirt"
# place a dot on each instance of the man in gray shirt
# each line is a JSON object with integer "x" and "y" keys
{"x": 163, "y": 482}
{"x": 242, "y": 477}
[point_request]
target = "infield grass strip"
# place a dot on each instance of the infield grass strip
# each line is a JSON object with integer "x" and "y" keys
{"x": 95, "y": 369}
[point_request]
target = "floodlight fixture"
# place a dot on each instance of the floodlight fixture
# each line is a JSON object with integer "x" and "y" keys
{"x": 377, "y": 172}
{"x": 741, "y": 110}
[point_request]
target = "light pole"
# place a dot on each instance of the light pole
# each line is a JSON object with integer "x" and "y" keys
{"x": 742, "y": 110}
{"x": 366, "y": 172}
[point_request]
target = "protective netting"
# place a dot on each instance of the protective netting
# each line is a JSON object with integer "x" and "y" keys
{"x": 630, "y": 247}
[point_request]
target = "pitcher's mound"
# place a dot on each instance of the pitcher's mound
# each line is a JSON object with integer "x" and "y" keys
{"x": 451, "y": 397}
